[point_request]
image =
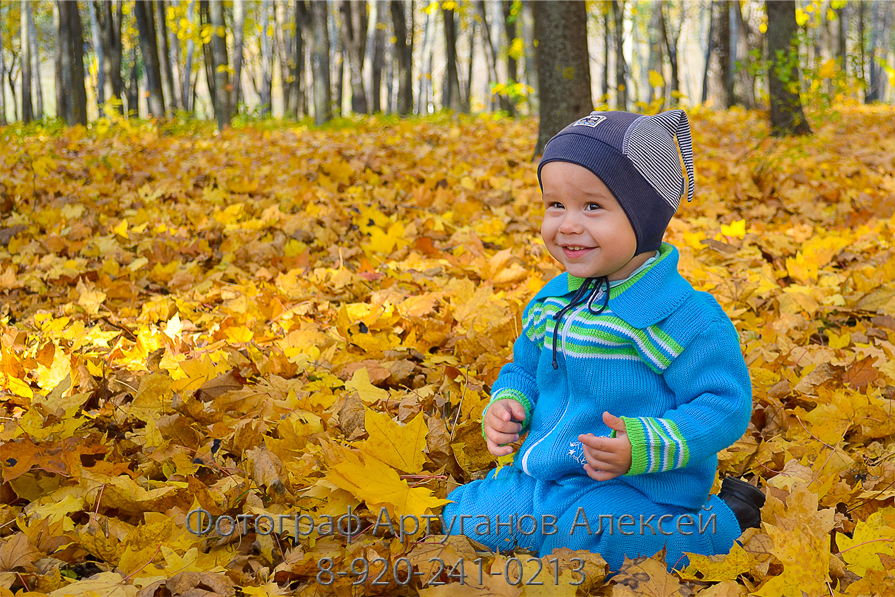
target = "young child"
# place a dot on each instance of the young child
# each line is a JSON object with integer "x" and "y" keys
{"x": 628, "y": 380}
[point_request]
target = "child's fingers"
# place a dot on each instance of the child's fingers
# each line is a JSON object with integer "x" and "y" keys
{"x": 499, "y": 437}
{"x": 498, "y": 450}
{"x": 517, "y": 410}
{"x": 599, "y": 475}
{"x": 503, "y": 426}
{"x": 607, "y": 445}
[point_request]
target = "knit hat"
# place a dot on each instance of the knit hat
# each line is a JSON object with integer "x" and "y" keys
{"x": 636, "y": 158}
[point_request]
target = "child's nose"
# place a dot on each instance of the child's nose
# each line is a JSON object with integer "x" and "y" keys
{"x": 570, "y": 223}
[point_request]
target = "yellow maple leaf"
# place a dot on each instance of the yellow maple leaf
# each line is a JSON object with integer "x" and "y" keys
{"x": 400, "y": 446}
{"x": 716, "y": 568}
{"x": 874, "y": 536}
{"x": 736, "y": 229}
{"x": 377, "y": 484}
{"x": 368, "y": 393}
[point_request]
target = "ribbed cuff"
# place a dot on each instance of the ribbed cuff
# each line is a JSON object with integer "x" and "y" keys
{"x": 514, "y": 395}
{"x": 657, "y": 445}
{"x": 637, "y": 436}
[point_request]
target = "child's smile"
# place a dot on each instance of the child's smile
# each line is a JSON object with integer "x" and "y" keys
{"x": 585, "y": 228}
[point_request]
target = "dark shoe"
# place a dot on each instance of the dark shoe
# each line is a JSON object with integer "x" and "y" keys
{"x": 744, "y": 499}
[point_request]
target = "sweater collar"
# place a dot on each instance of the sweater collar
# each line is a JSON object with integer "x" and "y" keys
{"x": 644, "y": 300}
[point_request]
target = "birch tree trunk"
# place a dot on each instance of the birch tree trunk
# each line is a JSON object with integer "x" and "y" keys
{"x": 25, "y": 37}
{"x": 143, "y": 13}
{"x": 266, "y": 58}
{"x": 185, "y": 86}
{"x": 621, "y": 87}
{"x": 98, "y": 47}
{"x": 35, "y": 66}
{"x": 404, "y": 51}
{"x": 563, "y": 66}
{"x": 491, "y": 59}
{"x": 221, "y": 74}
{"x": 531, "y": 71}
{"x": 284, "y": 41}
{"x": 422, "y": 98}
{"x": 320, "y": 63}
{"x": 3, "y": 121}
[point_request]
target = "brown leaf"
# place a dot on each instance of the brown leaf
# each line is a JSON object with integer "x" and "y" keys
{"x": 17, "y": 553}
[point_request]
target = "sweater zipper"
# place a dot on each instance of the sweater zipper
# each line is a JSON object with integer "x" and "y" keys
{"x": 566, "y": 326}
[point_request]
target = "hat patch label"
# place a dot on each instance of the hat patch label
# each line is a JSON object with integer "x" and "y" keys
{"x": 591, "y": 120}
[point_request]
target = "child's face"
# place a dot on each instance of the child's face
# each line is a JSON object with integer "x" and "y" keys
{"x": 584, "y": 227}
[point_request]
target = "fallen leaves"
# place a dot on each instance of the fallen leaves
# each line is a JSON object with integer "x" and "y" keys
{"x": 293, "y": 323}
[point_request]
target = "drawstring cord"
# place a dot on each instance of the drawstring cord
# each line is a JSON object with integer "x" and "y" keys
{"x": 577, "y": 300}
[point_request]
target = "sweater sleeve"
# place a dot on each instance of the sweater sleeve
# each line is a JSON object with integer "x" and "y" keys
{"x": 711, "y": 380}
{"x": 517, "y": 380}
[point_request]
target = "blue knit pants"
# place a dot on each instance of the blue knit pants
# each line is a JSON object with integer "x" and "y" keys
{"x": 510, "y": 509}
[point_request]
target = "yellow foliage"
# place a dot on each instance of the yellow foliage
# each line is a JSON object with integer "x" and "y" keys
{"x": 287, "y": 320}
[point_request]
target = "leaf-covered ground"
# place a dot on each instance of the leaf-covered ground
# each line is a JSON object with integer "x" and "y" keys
{"x": 281, "y": 321}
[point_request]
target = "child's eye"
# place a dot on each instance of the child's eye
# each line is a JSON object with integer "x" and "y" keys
{"x": 554, "y": 205}
{"x": 593, "y": 206}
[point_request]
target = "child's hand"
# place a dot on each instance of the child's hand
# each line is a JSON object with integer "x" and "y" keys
{"x": 500, "y": 428}
{"x": 607, "y": 457}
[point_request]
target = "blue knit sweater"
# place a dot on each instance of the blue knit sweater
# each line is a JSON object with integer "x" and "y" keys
{"x": 663, "y": 357}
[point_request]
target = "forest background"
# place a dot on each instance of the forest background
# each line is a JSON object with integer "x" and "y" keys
{"x": 266, "y": 259}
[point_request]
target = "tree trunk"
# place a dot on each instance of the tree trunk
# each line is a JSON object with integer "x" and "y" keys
{"x": 186, "y": 88}
{"x": 510, "y": 17}
{"x": 176, "y": 69}
{"x": 671, "y": 38}
{"x": 3, "y": 121}
{"x": 284, "y": 39}
{"x": 490, "y": 57}
{"x": 35, "y": 66}
{"x": 725, "y": 86}
{"x": 110, "y": 33}
{"x": 71, "y": 47}
{"x": 467, "y": 95}
{"x": 425, "y": 78}
{"x": 25, "y": 33}
{"x": 354, "y": 40}
{"x": 378, "y": 59}
{"x": 337, "y": 50}
{"x": 621, "y": 86}
{"x": 842, "y": 38}
{"x": 787, "y": 117}
{"x": 221, "y": 73}
{"x": 404, "y": 50}
{"x": 451, "y": 96}
{"x": 133, "y": 88}
{"x": 143, "y": 12}
{"x": 164, "y": 55}
{"x": 207, "y": 55}
{"x": 302, "y": 33}
{"x": 656, "y": 59}
{"x": 873, "y": 90}
{"x": 98, "y": 47}
{"x": 862, "y": 76}
{"x": 563, "y": 66}
{"x": 320, "y": 63}
{"x": 266, "y": 58}
{"x": 750, "y": 42}
{"x": 604, "y": 98}
{"x": 531, "y": 71}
